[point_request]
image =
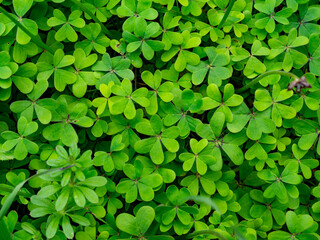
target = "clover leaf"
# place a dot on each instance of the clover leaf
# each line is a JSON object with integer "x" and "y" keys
{"x": 280, "y": 111}
{"x": 309, "y": 133}
{"x": 103, "y": 103}
{"x": 60, "y": 67}
{"x": 213, "y": 133}
{"x": 177, "y": 113}
{"x": 99, "y": 9}
{"x": 314, "y": 59}
{"x": 159, "y": 136}
{"x": 214, "y": 19}
{"x": 13, "y": 179}
{"x": 282, "y": 185}
{"x": 253, "y": 65}
{"x": 287, "y": 45}
{"x": 163, "y": 91}
{"x": 175, "y": 213}
{"x": 215, "y": 67}
{"x": 268, "y": 210}
{"x": 214, "y": 100}
{"x": 18, "y": 75}
{"x": 66, "y": 114}
{"x": 200, "y": 156}
{"x": 42, "y": 107}
{"x": 66, "y": 31}
{"x": 259, "y": 122}
{"x": 170, "y": 38}
{"x": 139, "y": 225}
{"x": 306, "y": 165}
{"x": 114, "y": 67}
{"x": 184, "y": 56}
{"x": 135, "y": 9}
{"x": 165, "y": 169}
{"x": 282, "y": 141}
{"x": 124, "y": 100}
{"x": 141, "y": 38}
{"x": 261, "y": 147}
{"x": 120, "y": 124}
{"x": 84, "y": 77}
{"x": 115, "y": 159}
{"x": 306, "y": 21}
{"x": 94, "y": 39}
{"x": 206, "y": 182}
{"x": 309, "y": 99}
{"x": 301, "y": 226}
{"x": 234, "y": 23}
{"x": 268, "y": 16}
{"x": 21, "y": 7}
{"x": 138, "y": 182}
{"x": 22, "y": 145}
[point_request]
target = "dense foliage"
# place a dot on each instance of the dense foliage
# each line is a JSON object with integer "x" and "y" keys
{"x": 137, "y": 118}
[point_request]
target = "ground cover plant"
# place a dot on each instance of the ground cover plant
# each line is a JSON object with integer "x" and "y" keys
{"x": 159, "y": 119}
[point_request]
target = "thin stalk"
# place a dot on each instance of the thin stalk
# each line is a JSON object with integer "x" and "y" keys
{"x": 135, "y": 79}
{"x": 226, "y": 15}
{"x": 7, "y": 204}
{"x": 9, "y": 189}
{"x": 94, "y": 18}
{"x": 204, "y": 232}
{"x": 257, "y": 79}
{"x": 34, "y": 38}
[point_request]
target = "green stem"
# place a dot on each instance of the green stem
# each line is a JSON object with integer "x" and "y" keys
{"x": 9, "y": 189}
{"x": 226, "y": 15}
{"x": 205, "y": 232}
{"x": 257, "y": 79}
{"x": 34, "y": 38}
{"x": 7, "y": 204}
{"x": 135, "y": 79}
{"x": 87, "y": 11}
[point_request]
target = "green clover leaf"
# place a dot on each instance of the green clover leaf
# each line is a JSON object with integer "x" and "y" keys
{"x": 280, "y": 111}
{"x": 94, "y": 39}
{"x": 159, "y": 136}
{"x": 115, "y": 159}
{"x": 215, "y": 67}
{"x": 114, "y": 67}
{"x": 141, "y": 38}
{"x": 268, "y": 16}
{"x": 298, "y": 224}
{"x": 160, "y": 91}
{"x": 138, "y": 182}
{"x": 229, "y": 144}
{"x": 253, "y": 65}
{"x": 201, "y": 156}
{"x": 124, "y": 100}
{"x": 287, "y": 45}
{"x": 67, "y": 113}
{"x": 60, "y": 67}
{"x": 282, "y": 185}
{"x": 259, "y": 122}
{"x": 214, "y": 100}
{"x": 84, "y": 77}
{"x": 42, "y": 107}
{"x": 184, "y": 56}
{"x": 66, "y": 31}
{"x": 135, "y": 9}
{"x": 170, "y": 38}
{"x": 306, "y": 164}
{"x": 22, "y": 145}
